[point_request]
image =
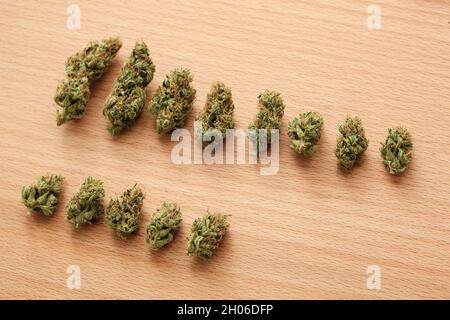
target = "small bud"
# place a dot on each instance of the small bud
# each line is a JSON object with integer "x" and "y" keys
{"x": 82, "y": 68}
{"x": 124, "y": 214}
{"x": 42, "y": 195}
{"x": 305, "y": 131}
{"x": 126, "y": 102}
{"x": 397, "y": 150}
{"x": 218, "y": 111}
{"x": 269, "y": 116}
{"x": 87, "y": 204}
{"x": 352, "y": 143}
{"x": 163, "y": 225}
{"x": 173, "y": 101}
{"x": 206, "y": 234}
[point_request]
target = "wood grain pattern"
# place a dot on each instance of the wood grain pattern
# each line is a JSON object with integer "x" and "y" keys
{"x": 308, "y": 231}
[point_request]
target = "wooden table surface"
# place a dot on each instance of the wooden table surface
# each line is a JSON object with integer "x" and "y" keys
{"x": 309, "y": 231}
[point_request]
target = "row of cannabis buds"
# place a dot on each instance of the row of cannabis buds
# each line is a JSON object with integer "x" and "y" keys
{"x": 173, "y": 100}
{"x": 124, "y": 214}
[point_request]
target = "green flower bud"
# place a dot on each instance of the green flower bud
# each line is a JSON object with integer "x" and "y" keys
{"x": 218, "y": 111}
{"x": 87, "y": 204}
{"x": 42, "y": 195}
{"x": 163, "y": 225}
{"x": 269, "y": 116}
{"x": 206, "y": 234}
{"x": 173, "y": 100}
{"x": 305, "y": 131}
{"x": 124, "y": 213}
{"x": 396, "y": 151}
{"x": 87, "y": 65}
{"x": 126, "y": 102}
{"x": 352, "y": 143}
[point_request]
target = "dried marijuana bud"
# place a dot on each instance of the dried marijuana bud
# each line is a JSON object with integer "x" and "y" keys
{"x": 206, "y": 234}
{"x": 127, "y": 100}
{"x": 87, "y": 204}
{"x": 397, "y": 149}
{"x": 305, "y": 131}
{"x": 42, "y": 195}
{"x": 163, "y": 225}
{"x": 218, "y": 111}
{"x": 173, "y": 100}
{"x": 269, "y": 116}
{"x": 82, "y": 68}
{"x": 124, "y": 214}
{"x": 352, "y": 143}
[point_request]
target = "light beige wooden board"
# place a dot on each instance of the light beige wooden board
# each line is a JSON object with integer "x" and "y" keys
{"x": 309, "y": 231}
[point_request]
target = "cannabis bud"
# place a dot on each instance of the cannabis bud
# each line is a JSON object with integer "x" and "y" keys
{"x": 82, "y": 68}
{"x": 305, "y": 131}
{"x": 173, "y": 100}
{"x": 352, "y": 143}
{"x": 127, "y": 100}
{"x": 87, "y": 204}
{"x": 269, "y": 116}
{"x": 206, "y": 234}
{"x": 218, "y": 111}
{"x": 396, "y": 150}
{"x": 124, "y": 214}
{"x": 163, "y": 225}
{"x": 42, "y": 195}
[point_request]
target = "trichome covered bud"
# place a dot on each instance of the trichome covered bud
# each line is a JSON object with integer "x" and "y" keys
{"x": 206, "y": 234}
{"x": 82, "y": 68}
{"x": 127, "y": 99}
{"x": 396, "y": 151}
{"x": 173, "y": 100}
{"x": 124, "y": 213}
{"x": 351, "y": 143}
{"x": 87, "y": 204}
{"x": 218, "y": 111}
{"x": 163, "y": 225}
{"x": 42, "y": 195}
{"x": 305, "y": 131}
{"x": 269, "y": 116}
